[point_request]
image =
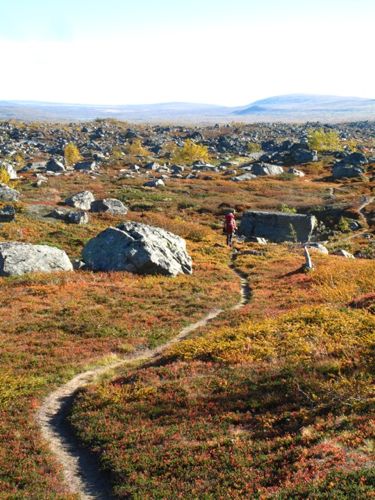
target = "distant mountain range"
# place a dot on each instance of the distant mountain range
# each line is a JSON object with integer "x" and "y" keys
{"x": 285, "y": 108}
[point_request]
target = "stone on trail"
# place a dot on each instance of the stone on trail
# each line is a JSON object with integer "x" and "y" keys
{"x": 8, "y": 194}
{"x": 82, "y": 200}
{"x": 109, "y": 205}
{"x": 138, "y": 248}
{"x": 277, "y": 226}
{"x": 20, "y": 258}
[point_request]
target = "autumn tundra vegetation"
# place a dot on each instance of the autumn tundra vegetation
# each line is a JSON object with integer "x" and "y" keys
{"x": 274, "y": 399}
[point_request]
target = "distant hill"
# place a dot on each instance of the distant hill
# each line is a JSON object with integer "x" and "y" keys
{"x": 310, "y": 107}
{"x": 288, "y": 108}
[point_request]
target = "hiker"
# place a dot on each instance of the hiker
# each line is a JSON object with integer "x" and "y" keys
{"x": 230, "y": 227}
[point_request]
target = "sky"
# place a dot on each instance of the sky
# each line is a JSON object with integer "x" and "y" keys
{"x": 228, "y": 52}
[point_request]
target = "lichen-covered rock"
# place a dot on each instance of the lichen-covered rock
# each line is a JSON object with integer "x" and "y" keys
{"x": 138, "y": 248}
{"x": 20, "y": 258}
{"x": 277, "y": 226}
{"x": 82, "y": 200}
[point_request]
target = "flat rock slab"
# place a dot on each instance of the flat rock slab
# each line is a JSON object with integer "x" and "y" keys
{"x": 277, "y": 226}
{"x": 21, "y": 258}
{"x": 138, "y": 248}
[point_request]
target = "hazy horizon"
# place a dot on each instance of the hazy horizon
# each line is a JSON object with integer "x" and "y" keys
{"x": 208, "y": 51}
{"x": 239, "y": 105}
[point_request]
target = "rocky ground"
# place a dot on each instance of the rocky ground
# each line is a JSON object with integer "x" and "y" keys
{"x": 113, "y": 249}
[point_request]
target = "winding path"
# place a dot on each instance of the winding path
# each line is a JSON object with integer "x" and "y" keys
{"x": 80, "y": 468}
{"x": 364, "y": 201}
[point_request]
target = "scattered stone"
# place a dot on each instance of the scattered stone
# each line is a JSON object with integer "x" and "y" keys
{"x": 277, "y": 226}
{"x": 86, "y": 166}
{"x": 266, "y": 169}
{"x": 344, "y": 253}
{"x": 152, "y": 166}
{"x": 341, "y": 170}
{"x": 296, "y": 172}
{"x": 7, "y": 213}
{"x": 54, "y": 166}
{"x": 244, "y": 177}
{"x": 303, "y": 155}
{"x": 8, "y": 194}
{"x": 138, "y": 248}
{"x": 82, "y": 200}
{"x": 70, "y": 216}
{"x": 154, "y": 183}
{"x": 34, "y": 166}
{"x": 77, "y": 217}
{"x": 177, "y": 169}
{"x": 20, "y": 258}
{"x": 109, "y": 205}
{"x": 78, "y": 264}
{"x": 318, "y": 247}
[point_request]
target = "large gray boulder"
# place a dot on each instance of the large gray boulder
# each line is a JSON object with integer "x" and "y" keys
{"x": 110, "y": 206}
{"x": 277, "y": 226}
{"x": 138, "y": 248}
{"x": 20, "y": 258}
{"x": 8, "y": 194}
{"x": 342, "y": 170}
{"x": 82, "y": 200}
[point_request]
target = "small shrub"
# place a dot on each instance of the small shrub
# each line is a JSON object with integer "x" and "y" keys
{"x": 253, "y": 147}
{"x": 320, "y": 140}
{"x": 136, "y": 148}
{"x": 4, "y": 176}
{"x": 343, "y": 225}
{"x": 286, "y": 209}
{"x": 191, "y": 152}
{"x": 72, "y": 154}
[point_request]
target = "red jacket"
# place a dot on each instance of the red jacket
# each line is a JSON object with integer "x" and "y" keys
{"x": 230, "y": 224}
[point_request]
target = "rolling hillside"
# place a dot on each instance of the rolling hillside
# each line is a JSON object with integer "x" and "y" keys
{"x": 288, "y": 108}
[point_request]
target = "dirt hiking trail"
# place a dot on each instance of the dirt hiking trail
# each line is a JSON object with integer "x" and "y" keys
{"x": 80, "y": 468}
